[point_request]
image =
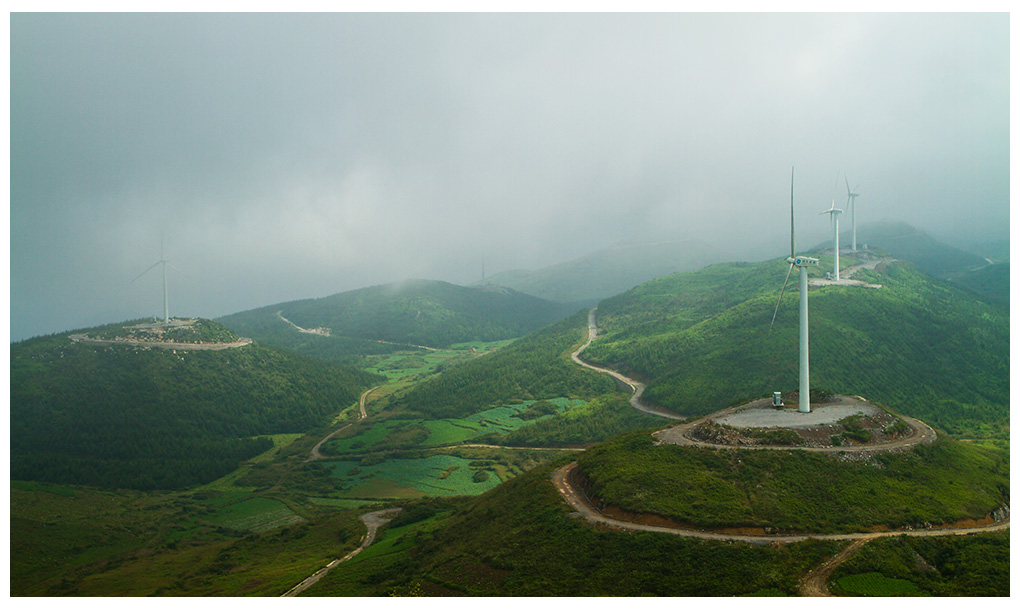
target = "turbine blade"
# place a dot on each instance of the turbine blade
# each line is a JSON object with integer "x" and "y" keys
{"x": 776, "y": 312}
{"x": 848, "y": 191}
{"x": 176, "y": 269}
{"x": 146, "y": 271}
{"x": 793, "y": 249}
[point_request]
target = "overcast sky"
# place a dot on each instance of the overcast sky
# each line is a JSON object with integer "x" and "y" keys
{"x": 294, "y": 156}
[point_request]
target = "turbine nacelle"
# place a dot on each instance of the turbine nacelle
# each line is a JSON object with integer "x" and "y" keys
{"x": 802, "y": 261}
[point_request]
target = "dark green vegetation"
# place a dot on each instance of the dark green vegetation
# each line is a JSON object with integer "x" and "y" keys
{"x": 75, "y": 541}
{"x": 532, "y": 368}
{"x": 132, "y": 417}
{"x": 793, "y": 491}
{"x": 991, "y": 282}
{"x": 427, "y": 313}
{"x": 701, "y": 341}
{"x": 518, "y": 540}
{"x": 610, "y": 271}
{"x": 905, "y": 242}
{"x": 975, "y": 565}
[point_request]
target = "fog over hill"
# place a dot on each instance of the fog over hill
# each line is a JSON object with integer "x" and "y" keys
{"x": 290, "y": 156}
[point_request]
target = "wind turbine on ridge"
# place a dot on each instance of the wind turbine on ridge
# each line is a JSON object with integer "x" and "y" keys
{"x": 834, "y": 220}
{"x": 802, "y": 263}
{"x": 851, "y": 200}
{"x": 166, "y": 263}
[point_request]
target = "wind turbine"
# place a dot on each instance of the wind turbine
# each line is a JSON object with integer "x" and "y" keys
{"x": 851, "y": 200}
{"x": 834, "y": 220}
{"x": 801, "y": 262}
{"x": 165, "y": 263}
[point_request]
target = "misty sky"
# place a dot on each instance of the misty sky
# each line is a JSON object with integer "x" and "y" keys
{"x": 295, "y": 156}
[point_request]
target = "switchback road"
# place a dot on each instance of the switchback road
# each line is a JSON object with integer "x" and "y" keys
{"x": 315, "y": 454}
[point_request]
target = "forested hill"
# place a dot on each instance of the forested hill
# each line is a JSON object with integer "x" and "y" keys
{"x": 919, "y": 345}
{"x": 126, "y": 416}
{"x": 610, "y": 271}
{"x": 905, "y": 242}
{"x": 417, "y": 312}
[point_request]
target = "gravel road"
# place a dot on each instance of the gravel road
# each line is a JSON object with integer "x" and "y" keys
{"x": 372, "y": 520}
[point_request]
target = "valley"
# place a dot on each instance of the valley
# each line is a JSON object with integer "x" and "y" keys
{"x": 525, "y": 465}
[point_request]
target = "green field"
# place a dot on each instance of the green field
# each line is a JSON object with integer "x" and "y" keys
{"x": 256, "y": 514}
{"x": 436, "y": 475}
{"x": 408, "y": 433}
{"x": 876, "y": 584}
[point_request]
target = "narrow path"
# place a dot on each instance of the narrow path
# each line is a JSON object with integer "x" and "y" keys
{"x": 315, "y": 455}
{"x": 816, "y": 582}
{"x": 372, "y": 520}
{"x": 635, "y": 386}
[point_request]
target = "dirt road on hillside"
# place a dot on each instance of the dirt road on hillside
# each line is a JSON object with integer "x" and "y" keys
{"x": 635, "y": 386}
{"x": 372, "y": 520}
{"x": 576, "y": 498}
{"x": 315, "y": 455}
{"x": 816, "y": 582}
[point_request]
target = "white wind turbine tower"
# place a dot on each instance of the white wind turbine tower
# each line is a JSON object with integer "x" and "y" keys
{"x": 834, "y": 220}
{"x": 165, "y": 263}
{"x": 851, "y": 200}
{"x": 801, "y": 262}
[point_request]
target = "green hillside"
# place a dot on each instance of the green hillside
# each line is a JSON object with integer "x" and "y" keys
{"x": 519, "y": 540}
{"x": 432, "y": 314}
{"x": 905, "y": 242}
{"x": 919, "y": 345}
{"x": 609, "y": 271}
{"x": 793, "y": 491}
{"x": 127, "y": 416}
{"x": 990, "y": 282}
{"x": 535, "y": 367}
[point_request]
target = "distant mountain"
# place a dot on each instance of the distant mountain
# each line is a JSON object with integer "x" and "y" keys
{"x": 123, "y": 408}
{"x": 905, "y": 242}
{"x": 610, "y": 271}
{"x": 432, "y": 314}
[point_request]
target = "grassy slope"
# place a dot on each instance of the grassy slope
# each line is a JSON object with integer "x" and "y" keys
{"x": 77, "y": 541}
{"x": 919, "y": 345}
{"x": 517, "y": 540}
{"x": 908, "y": 243}
{"x": 535, "y": 367}
{"x": 141, "y": 418}
{"x": 976, "y": 565}
{"x": 797, "y": 490}
{"x": 430, "y": 313}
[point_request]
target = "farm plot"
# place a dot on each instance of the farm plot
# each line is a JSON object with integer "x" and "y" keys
{"x": 436, "y": 475}
{"x": 876, "y": 584}
{"x": 407, "y": 433}
{"x": 256, "y": 514}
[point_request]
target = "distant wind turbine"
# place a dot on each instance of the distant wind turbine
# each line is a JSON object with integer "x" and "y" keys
{"x": 801, "y": 262}
{"x": 165, "y": 263}
{"x": 851, "y": 200}
{"x": 834, "y": 220}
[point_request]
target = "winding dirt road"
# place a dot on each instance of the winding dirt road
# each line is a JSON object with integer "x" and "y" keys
{"x": 372, "y": 520}
{"x": 635, "y": 386}
{"x": 579, "y": 501}
{"x": 315, "y": 455}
